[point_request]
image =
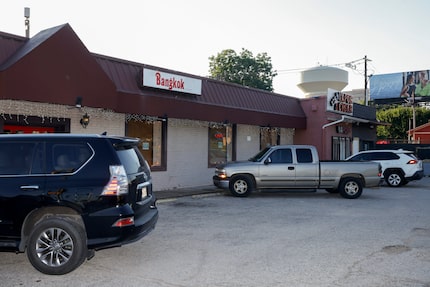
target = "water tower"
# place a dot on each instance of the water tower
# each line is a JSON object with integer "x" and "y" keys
{"x": 316, "y": 81}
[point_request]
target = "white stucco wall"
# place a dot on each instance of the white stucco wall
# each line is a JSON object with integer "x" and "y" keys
{"x": 248, "y": 141}
{"x": 287, "y": 136}
{"x": 187, "y": 156}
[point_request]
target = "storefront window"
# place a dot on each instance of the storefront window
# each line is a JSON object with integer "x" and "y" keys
{"x": 152, "y": 140}
{"x": 341, "y": 148}
{"x": 17, "y": 124}
{"x": 220, "y": 145}
{"x": 269, "y": 137}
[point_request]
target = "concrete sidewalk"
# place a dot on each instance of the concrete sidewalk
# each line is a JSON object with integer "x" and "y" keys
{"x": 190, "y": 191}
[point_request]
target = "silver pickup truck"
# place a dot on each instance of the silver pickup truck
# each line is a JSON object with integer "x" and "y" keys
{"x": 296, "y": 167}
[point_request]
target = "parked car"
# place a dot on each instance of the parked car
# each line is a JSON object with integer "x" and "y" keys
{"x": 398, "y": 166}
{"x": 63, "y": 196}
{"x": 296, "y": 167}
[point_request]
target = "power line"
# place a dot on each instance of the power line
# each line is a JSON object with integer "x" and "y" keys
{"x": 353, "y": 65}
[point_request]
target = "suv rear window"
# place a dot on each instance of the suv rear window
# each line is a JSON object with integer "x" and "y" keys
{"x": 383, "y": 156}
{"x": 67, "y": 158}
{"x": 369, "y": 156}
{"x": 132, "y": 160}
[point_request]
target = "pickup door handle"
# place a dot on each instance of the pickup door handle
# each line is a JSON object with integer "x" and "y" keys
{"x": 291, "y": 168}
{"x": 29, "y": 187}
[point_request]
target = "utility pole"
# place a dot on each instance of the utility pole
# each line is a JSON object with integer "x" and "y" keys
{"x": 414, "y": 120}
{"x": 365, "y": 80}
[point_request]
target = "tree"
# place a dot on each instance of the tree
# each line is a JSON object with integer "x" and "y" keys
{"x": 243, "y": 69}
{"x": 400, "y": 119}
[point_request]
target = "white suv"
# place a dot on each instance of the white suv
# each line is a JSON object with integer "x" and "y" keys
{"x": 398, "y": 166}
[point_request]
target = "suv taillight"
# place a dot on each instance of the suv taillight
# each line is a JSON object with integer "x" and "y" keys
{"x": 412, "y": 161}
{"x": 118, "y": 182}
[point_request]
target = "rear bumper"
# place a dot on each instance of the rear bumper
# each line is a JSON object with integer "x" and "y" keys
{"x": 142, "y": 226}
{"x": 417, "y": 175}
{"x": 102, "y": 234}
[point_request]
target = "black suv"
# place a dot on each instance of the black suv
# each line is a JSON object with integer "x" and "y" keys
{"x": 63, "y": 196}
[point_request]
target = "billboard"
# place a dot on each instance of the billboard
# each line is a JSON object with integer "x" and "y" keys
{"x": 402, "y": 87}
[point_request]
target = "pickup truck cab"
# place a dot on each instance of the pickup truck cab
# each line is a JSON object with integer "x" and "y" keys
{"x": 296, "y": 167}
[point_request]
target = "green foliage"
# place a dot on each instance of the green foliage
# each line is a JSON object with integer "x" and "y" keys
{"x": 400, "y": 119}
{"x": 243, "y": 69}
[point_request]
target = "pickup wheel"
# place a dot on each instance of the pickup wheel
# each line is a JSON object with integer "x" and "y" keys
{"x": 241, "y": 185}
{"x": 350, "y": 187}
{"x": 57, "y": 246}
{"x": 394, "y": 179}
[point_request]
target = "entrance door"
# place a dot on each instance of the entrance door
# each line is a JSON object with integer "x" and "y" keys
{"x": 341, "y": 148}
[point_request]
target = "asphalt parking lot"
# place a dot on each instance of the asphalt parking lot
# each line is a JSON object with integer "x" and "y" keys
{"x": 267, "y": 239}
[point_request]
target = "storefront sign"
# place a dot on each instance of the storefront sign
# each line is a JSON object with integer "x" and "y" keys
{"x": 339, "y": 102}
{"x": 218, "y": 135}
{"x": 172, "y": 82}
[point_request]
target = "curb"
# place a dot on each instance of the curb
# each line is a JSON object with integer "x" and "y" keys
{"x": 196, "y": 196}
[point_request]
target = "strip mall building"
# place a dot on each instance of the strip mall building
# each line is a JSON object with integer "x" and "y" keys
{"x": 187, "y": 124}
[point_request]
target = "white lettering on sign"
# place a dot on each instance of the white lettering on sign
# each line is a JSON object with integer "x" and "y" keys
{"x": 172, "y": 82}
{"x": 339, "y": 102}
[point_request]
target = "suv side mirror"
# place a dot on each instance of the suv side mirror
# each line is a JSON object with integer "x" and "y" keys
{"x": 267, "y": 160}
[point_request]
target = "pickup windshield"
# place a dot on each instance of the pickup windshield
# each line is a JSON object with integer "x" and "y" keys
{"x": 259, "y": 156}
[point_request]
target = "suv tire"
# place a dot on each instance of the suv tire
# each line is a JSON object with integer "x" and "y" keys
{"x": 394, "y": 178}
{"x": 57, "y": 246}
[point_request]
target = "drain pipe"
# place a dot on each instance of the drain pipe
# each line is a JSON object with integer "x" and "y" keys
{"x": 334, "y": 123}
{"x": 342, "y": 119}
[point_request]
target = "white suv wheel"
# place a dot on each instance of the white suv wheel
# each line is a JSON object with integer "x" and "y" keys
{"x": 394, "y": 179}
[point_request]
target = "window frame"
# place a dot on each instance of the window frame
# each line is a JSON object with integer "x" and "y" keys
{"x": 230, "y": 144}
{"x": 163, "y": 154}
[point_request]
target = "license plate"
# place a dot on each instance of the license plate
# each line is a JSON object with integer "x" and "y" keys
{"x": 144, "y": 192}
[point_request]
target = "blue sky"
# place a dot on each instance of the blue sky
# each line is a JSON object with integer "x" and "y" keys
{"x": 296, "y": 34}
